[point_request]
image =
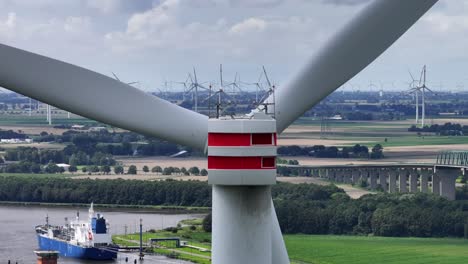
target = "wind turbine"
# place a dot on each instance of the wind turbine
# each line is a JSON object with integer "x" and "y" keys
{"x": 245, "y": 228}
{"x": 194, "y": 87}
{"x": 258, "y": 87}
{"x": 422, "y": 88}
{"x": 414, "y": 90}
{"x": 186, "y": 88}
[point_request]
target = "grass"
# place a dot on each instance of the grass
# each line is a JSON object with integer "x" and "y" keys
{"x": 420, "y": 141}
{"x": 41, "y": 120}
{"x": 325, "y": 249}
{"x": 36, "y": 175}
{"x": 196, "y": 237}
{"x": 362, "y": 250}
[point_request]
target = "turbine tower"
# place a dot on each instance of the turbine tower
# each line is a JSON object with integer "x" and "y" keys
{"x": 414, "y": 89}
{"x": 194, "y": 88}
{"x": 422, "y": 87}
{"x": 245, "y": 227}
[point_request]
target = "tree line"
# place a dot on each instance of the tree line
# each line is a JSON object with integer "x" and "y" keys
{"x": 119, "y": 191}
{"x": 416, "y": 215}
{"x": 447, "y": 129}
{"x": 122, "y": 144}
{"x": 320, "y": 151}
{"x": 301, "y": 208}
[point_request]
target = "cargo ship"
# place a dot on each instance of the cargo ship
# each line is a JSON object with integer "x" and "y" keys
{"x": 84, "y": 239}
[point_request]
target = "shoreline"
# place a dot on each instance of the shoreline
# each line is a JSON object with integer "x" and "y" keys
{"x": 161, "y": 209}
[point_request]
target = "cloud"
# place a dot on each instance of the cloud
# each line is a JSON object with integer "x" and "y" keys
{"x": 7, "y": 27}
{"x": 250, "y": 25}
{"x": 345, "y": 2}
{"x": 113, "y": 6}
{"x": 255, "y": 3}
{"x": 442, "y": 23}
{"x": 137, "y": 38}
{"x": 77, "y": 24}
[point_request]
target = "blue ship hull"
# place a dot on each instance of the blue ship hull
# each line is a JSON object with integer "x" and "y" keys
{"x": 73, "y": 251}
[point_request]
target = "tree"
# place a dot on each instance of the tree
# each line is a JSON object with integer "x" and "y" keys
{"x": 194, "y": 171}
{"x": 156, "y": 169}
{"x": 167, "y": 171}
{"x": 93, "y": 168}
{"x": 145, "y": 169}
{"x": 118, "y": 169}
{"x": 132, "y": 169}
{"x": 203, "y": 172}
{"x": 35, "y": 168}
{"x": 84, "y": 169}
{"x": 72, "y": 168}
{"x": 105, "y": 169}
{"x": 52, "y": 168}
{"x": 184, "y": 171}
{"x": 377, "y": 152}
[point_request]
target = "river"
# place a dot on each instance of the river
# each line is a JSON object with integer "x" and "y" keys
{"x": 18, "y": 238}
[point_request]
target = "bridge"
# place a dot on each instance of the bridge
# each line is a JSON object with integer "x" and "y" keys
{"x": 438, "y": 178}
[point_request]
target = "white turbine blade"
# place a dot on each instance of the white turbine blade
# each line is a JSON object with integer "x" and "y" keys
{"x": 362, "y": 40}
{"x": 99, "y": 97}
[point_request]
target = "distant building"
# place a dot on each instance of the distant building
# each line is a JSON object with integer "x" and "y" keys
{"x": 64, "y": 166}
{"x": 97, "y": 129}
{"x": 15, "y": 140}
{"x": 78, "y": 127}
{"x": 336, "y": 117}
{"x": 447, "y": 114}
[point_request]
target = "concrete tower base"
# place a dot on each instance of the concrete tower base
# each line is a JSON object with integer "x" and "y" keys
{"x": 243, "y": 219}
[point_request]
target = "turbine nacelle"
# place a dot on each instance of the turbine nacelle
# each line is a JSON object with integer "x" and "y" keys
{"x": 242, "y": 150}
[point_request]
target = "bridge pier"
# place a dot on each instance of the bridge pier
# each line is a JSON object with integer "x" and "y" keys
{"x": 355, "y": 176}
{"x": 373, "y": 180}
{"x": 392, "y": 175}
{"x": 349, "y": 176}
{"x": 364, "y": 175}
{"x": 338, "y": 177}
{"x": 320, "y": 173}
{"x": 435, "y": 183}
{"x": 448, "y": 177}
{"x": 383, "y": 179}
{"x": 413, "y": 182}
{"x": 342, "y": 176}
{"x": 424, "y": 180}
{"x": 334, "y": 175}
{"x": 402, "y": 180}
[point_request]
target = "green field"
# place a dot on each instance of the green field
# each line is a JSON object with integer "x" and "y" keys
{"x": 324, "y": 249}
{"x": 37, "y": 175}
{"x": 362, "y": 250}
{"x": 41, "y": 120}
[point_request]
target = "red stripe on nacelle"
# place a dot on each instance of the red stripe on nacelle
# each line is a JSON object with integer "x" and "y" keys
{"x": 228, "y": 139}
{"x": 241, "y": 163}
{"x": 241, "y": 140}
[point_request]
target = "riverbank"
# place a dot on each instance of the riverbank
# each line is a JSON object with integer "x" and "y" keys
{"x": 318, "y": 249}
{"x": 19, "y": 237}
{"x": 161, "y": 209}
{"x": 195, "y": 242}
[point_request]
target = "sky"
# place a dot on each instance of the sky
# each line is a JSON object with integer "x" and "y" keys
{"x": 153, "y": 41}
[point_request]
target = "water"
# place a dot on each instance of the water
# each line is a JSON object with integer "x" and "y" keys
{"x": 18, "y": 237}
